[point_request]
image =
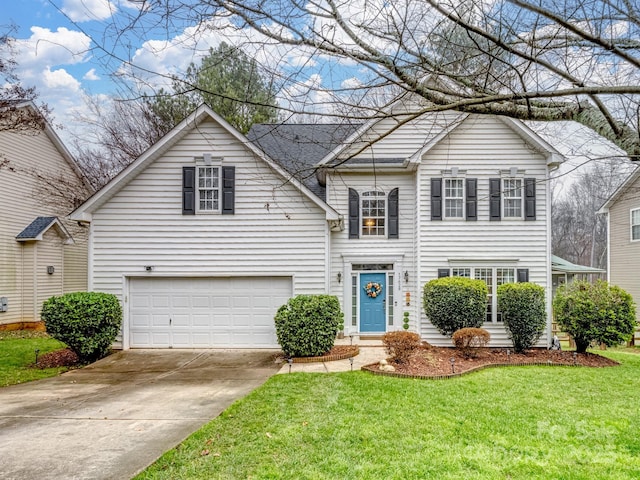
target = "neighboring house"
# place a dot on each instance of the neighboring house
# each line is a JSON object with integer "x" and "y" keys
{"x": 623, "y": 240}
{"x": 206, "y": 234}
{"x": 563, "y": 271}
{"x": 41, "y": 253}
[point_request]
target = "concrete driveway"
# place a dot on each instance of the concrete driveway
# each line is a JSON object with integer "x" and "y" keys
{"x": 112, "y": 419}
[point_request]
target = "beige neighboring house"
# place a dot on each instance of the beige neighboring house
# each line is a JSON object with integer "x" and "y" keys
{"x": 41, "y": 253}
{"x": 623, "y": 222}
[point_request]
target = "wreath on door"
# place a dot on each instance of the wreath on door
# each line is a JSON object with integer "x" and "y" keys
{"x": 373, "y": 289}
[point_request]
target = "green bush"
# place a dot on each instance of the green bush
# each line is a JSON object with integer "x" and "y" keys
{"x": 400, "y": 345}
{"x": 468, "y": 339}
{"x": 452, "y": 303}
{"x": 307, "y": 325}
{"x": 87, "y": 322}
{"x": 523, "y": 312}
{"x": 599, "y": 313}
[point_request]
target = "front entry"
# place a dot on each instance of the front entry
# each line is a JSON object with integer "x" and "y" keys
{"x": 373, "y": 304}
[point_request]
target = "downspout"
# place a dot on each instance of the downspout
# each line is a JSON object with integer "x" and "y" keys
{"x": 549, "y": 289}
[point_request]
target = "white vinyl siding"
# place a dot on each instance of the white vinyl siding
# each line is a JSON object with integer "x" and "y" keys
{"x": 485, "y": 147}
{"x": 276, "y": 230}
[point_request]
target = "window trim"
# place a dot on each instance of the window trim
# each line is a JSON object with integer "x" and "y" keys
{"x": 631, "y": 224}
{"x": 505, "y": 198}
{"x": 379, "y": 195}
{"x": 462, "y": 199}
{"x": 198, "y": 189}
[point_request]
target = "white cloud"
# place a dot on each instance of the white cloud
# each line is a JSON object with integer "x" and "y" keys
{"x": 87, "y": 10}
{"x": 91, "y": 75}
{"x": 60, "y": 80}
{"x": 46, "y": 47}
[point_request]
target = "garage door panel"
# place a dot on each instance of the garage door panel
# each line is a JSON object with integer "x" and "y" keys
{"x": 206, "y": 312}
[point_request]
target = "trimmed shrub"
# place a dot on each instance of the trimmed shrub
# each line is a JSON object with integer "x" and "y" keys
{"x": 523, "y": 312}
{"x": 307, "y": 325}
{"x": 87, "y": 322}
{"x": 400, "y": 345}
{"x": 452, "y": 303}
{"x": 599, "y": 313}
{"x": 468, "y": 339}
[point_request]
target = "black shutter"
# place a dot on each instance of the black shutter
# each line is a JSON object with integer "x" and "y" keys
{"x": 228, "y": 190}
{"x": 188, "y": 190}
{"x": 393, "y": 213}
{"x": 494, "y": 198}
{"x": 472, "y": 199}
{"x": 529, "y": 198}
{"x": 523, "y": 275}
{"x": 443, "y": 272}
{"x": 354, "y": 214}
{"x": 436, "y": 199}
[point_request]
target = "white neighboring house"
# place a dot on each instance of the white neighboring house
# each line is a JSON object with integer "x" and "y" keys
{"x": 208, "y": 233}
{"x": 623, "y": 239}
{"x": 41, "y": 253}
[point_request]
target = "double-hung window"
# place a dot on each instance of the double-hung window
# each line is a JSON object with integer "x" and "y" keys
{"x": 512, "y": 198}
{"x": 454, "y": 198}
{"x": 374, "y": 213}
{"x": 208, "y": 189}
{"x": 635, "y": 224}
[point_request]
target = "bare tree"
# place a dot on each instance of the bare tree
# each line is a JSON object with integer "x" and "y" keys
{"x": 13, "y": 95}
{"x": 579, "y": 234}
{"x": 573, "y": 60}
{"x": 116, "y": 133}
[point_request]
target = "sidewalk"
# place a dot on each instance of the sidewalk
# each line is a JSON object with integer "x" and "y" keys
{"x": 371, "y": 351}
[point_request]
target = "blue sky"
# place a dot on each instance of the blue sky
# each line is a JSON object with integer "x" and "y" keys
{"x": 62, "y": 47}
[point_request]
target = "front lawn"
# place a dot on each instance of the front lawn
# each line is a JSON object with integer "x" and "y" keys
{"x": 17, "y": 356}
{"x": 502, "y": 423}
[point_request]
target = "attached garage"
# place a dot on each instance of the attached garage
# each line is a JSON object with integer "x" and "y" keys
{"x": 230, "y": 312}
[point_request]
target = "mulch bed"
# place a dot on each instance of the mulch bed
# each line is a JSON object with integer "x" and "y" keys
{"x": 58, "y": 358}
{"x": 435, "y": 362}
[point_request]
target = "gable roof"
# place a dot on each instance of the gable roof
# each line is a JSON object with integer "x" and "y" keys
{"x": 436, "y": 133}
{"x": 36, "y": 230}
{"x": 299, "y": 147}
{"x": 84, "y": 211}
{"x": 630, "y": 180}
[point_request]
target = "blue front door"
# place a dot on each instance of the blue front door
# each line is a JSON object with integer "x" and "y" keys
{"x": 373, "y": 305}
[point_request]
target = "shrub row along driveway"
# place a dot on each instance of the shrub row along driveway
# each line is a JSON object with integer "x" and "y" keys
{"x": 113, "y": 418}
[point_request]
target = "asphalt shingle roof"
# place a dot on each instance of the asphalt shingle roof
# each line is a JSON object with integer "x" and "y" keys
{"x": 299, "y": 147}
{"x": 35, "y": 228}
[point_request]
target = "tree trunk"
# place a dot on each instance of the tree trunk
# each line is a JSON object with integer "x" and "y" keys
{"x": 581, "y": 345}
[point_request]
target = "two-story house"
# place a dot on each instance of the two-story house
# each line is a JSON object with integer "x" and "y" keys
{"x": 208, "y": 233}
{"x": 41, "y": 253}
{"x": 623, "y": 238}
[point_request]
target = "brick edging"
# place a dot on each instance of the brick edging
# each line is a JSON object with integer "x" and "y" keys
{"x": 372, "y": 368}
{"x": 328, "y": 358}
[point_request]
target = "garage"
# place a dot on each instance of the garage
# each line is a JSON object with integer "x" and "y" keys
{"x": 230, "y": 312}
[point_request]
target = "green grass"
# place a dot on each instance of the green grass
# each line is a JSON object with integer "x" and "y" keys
{"x": 503, "y": 423}
{"x": 17, "y": 356}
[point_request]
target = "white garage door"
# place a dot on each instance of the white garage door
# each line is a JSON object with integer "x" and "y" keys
{"x": 205, "y": 312}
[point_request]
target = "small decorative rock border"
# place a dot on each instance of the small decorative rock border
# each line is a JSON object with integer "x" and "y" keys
{"x": 352, "y": 351}
{"x": 373, "y": 368}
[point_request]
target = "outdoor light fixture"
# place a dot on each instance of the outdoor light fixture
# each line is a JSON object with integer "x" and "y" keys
{"x": 575, "y": 358}
{"x": 406, "y": 276}
{"x": 148, "y": 268}
{"x": 51, "y": 269}
{"x": 351, "y": 362}
{"x": 339, "y": 277}
{"x": 453, "y": 365}
{"x": 290, "y": 362}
